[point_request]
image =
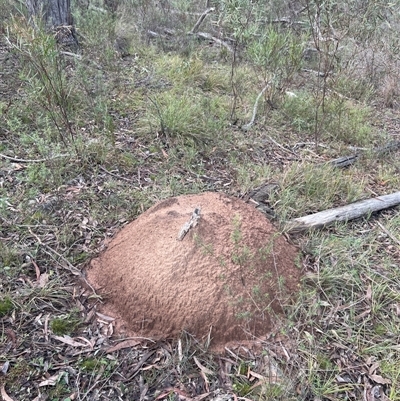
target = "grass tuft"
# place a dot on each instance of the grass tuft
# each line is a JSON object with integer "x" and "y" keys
{"x": 6, "y": 306}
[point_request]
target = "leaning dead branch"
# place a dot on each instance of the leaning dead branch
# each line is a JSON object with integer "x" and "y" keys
{"x": 248, "y": 126}
{"x": 201, "y": 19}
{"x": 343, "y": 213}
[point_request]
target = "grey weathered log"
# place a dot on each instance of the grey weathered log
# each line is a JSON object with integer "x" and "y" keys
{"x": 346, "y": 161}
{"x": 343, "y": 213}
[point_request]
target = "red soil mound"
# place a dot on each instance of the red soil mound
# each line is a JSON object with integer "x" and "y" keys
{"x": 228, "y": 273}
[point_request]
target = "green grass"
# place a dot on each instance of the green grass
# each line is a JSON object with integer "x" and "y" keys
{"x": 6, "y": 306}
{"x": 64, "y": 325}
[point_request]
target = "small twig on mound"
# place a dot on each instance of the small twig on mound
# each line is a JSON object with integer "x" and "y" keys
{"x": 343, "y": 213}
{"x": 194, "y": 219}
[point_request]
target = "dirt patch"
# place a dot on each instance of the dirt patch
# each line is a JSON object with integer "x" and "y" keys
{"x": 230, "y": 273}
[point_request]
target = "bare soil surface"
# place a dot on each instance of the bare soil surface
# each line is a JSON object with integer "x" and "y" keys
{"x": 229, "y": 274}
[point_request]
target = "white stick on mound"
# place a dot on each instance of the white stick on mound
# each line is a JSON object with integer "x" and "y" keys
{"x": 189, "y": 224}
{"x": 343, "y": 213}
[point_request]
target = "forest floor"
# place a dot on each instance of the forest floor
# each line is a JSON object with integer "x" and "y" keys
{"x": 154, "y": 125}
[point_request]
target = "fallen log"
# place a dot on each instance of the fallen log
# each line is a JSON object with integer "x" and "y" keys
{"x": 343, "y": 213}
{"x": 346, "y": 161}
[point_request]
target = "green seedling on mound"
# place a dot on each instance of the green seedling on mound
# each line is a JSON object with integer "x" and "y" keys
{"x": 206, "y": 248}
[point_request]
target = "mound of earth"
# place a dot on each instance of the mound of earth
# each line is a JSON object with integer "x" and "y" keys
{"x": 227, "y": 274}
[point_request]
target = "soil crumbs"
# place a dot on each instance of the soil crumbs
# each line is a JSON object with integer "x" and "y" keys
{"x": 228, "y": 276}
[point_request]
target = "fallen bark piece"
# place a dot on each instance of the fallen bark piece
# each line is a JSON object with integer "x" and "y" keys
{"x": 343, "y": 213}
{"x": 344, "y": 161}
{"x": 191, "y": 223}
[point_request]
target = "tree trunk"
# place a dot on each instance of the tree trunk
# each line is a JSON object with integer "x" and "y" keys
{"x": 57, "y": 17}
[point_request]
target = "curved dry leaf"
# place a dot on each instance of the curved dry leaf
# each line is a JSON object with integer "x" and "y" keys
{"x": 53, "y": 380}
{"x": 4, "y": 395}
{"x": 4, "y": 368}
{"x": 202, "y": 368}
{"x": 68, "y": 340}
{"x": 122, "y": 345}
{"x": 37, "y": 270}
{"x": 90, "y": 343}
{"x": 105, "y": 317}
{"x": 379, "y": 379}
{"x": 368, "y": 294}
{"x": 43, "y": 280}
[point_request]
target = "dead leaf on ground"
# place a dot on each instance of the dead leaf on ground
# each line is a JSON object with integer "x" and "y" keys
{"x": 4, "y": 368}
{"x": 105, "y": 317}
{"x": 43, "y": 280}
{"x": 168, "y": 392}
{"x": 122, "y": 345}
{"x": 202, "y": 368}
{"x": 379, "y": 379}
{"x": 37, "y": 270}
{"x": 11, "y": 336}
{"x": 372, "y": 369}
{"x": 68, "y": 340}
{"x": 52, "y": 380}
{"x": 5, "y": 396}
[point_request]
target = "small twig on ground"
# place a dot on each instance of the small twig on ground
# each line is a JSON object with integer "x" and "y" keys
{"x": 281, "y": 147}
{"x": 78, "y": 56}
{"x": 248, "y": 126}
{"x": 50, "y": 251}
{"x": 115, "y": 175}
{"x": 388, "y": 233}
{"x": 205, "y": 35}
{"x": 18, "y": 160}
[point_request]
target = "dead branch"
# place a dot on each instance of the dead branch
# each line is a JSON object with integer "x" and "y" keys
{"x": 120, "y": 177}
{"x": 317, "y": 73}
{"x": 248, "y": 126}
{"x": 343, "y": 213}
{"x": 345, "y": 161}
{"x": 207, "y": 36}
{"x": 18, "y": 160}
{"x": 201, "y": 19}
